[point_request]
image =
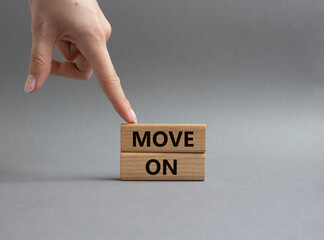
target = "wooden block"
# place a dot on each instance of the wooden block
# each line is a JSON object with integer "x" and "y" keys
{"x": 163, "y": 138}
{"x": 162, "y": 166}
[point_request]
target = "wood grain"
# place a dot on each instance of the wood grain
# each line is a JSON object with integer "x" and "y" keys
{"x": 189, "y": 166}
{"x": 163, "y": 138}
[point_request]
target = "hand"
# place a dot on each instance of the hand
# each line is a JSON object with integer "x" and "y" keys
{"x": 79, "y": 30}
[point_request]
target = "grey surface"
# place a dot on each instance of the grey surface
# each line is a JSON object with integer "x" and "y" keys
{"x": 252, "y": 70}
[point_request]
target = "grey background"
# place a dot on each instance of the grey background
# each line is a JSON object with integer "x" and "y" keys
{"x": 252, "y": 70}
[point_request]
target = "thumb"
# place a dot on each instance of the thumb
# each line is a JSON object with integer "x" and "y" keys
{"x": 40, "y": 61}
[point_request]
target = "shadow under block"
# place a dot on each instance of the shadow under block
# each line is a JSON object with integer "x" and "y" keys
{"x": 162, "y": 166}
{"x": 163, "y": 138}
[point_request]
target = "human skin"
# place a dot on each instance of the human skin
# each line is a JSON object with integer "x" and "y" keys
{"x": 79, "y": 30}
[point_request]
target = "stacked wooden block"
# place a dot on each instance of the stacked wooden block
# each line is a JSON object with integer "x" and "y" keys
{"x": 163, "y": 152}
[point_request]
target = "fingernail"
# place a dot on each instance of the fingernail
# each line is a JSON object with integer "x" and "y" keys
{"x": 133, "y": 116}
{"x": 30, "y": 83}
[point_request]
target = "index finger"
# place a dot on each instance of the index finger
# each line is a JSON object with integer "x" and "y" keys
{"x": 109, "y": 81}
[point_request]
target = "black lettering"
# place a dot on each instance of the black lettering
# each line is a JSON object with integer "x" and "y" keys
{"x": 175, "y": 142}
{"x": 165, "y": 140}
{"x": 167, "y": 164}
{"x": 187, "y": 139}
{"x": 158, "y": 167}
{"x": 141, "y": 142}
